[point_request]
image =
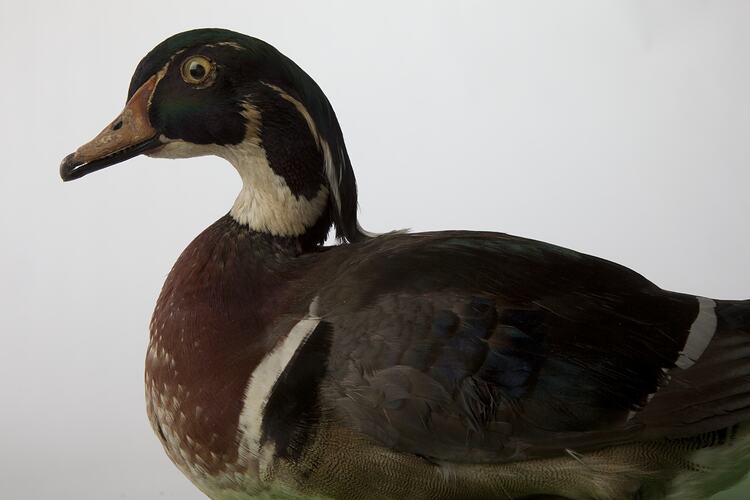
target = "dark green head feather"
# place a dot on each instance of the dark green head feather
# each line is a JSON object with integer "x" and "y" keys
{"x": 214, "y": 116}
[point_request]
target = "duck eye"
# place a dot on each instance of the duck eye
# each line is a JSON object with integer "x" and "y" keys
{"x": 198, "y": 70}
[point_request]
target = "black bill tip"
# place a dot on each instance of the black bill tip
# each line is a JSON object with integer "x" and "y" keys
{"x": 72, "y": 167}
{"x": 68, "y": 167}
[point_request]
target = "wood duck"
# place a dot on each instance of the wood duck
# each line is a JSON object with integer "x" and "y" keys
{"x": 436, "y": 365}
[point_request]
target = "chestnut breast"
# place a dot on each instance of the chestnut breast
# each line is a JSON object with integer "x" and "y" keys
{"x": 225, "y": 304}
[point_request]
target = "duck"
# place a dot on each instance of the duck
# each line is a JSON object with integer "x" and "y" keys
{"x": 436, "y": 365}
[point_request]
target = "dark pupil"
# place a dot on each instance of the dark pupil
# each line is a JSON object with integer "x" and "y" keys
{"x": 197, "y": 70}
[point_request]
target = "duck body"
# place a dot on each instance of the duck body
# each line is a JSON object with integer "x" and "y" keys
{"x": 436, "y": 365}
{"x": 452, "y": 357}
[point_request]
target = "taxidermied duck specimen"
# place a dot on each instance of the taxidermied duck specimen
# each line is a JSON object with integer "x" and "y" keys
{"x": 436, "y": 365}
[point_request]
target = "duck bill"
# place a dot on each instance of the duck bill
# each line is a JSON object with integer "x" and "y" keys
{"x": 129, "y": 135}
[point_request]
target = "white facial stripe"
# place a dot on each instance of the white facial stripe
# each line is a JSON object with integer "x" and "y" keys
{"x": 160, "y": 74}
{"x": 701, "y": 332}
{"x": 300, "y": 107}
{"x": 233, "y": 45}
{"x": 264, "y": 377}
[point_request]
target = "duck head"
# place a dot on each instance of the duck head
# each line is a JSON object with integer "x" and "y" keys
{"x": 217, "y": 92}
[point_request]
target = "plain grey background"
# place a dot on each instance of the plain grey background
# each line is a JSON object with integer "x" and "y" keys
{"x": 617, "y": 128}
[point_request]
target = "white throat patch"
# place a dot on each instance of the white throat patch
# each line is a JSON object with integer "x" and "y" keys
{"x": 266, "y": 203}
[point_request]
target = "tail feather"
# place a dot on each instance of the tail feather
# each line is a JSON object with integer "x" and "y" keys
{"x": 713, "y": 393}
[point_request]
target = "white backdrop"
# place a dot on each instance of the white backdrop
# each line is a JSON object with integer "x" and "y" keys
{"x": 618, "y": 128}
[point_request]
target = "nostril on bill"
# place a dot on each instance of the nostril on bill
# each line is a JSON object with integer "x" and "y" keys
{"x": 117, "y": 125}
